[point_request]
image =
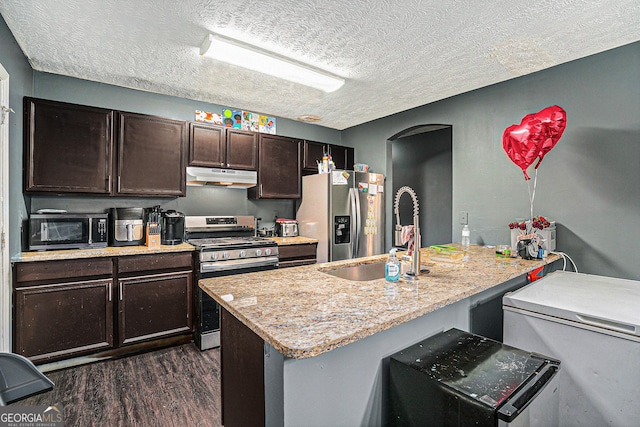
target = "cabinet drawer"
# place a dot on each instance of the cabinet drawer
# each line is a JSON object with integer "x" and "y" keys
{"x": 154, "y": 262}
{"x": 296, "y": 262}
{"x": 52, "y": 270}
{"x": 307, "y": 250}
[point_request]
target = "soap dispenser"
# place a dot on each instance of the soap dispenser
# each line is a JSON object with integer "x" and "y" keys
{"x": 392, "y": 267}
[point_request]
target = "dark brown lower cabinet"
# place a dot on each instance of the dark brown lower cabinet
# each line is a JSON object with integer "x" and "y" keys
{"x": 63, "y": 320}
{"x": 155, "y": 296}
{"x": 154, "y": 306}
{"x": 69, "y": 308}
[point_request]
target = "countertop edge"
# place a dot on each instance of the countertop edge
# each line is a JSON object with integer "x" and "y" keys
{"x": 110, "y": 251}
{"x": 451, "y": 297}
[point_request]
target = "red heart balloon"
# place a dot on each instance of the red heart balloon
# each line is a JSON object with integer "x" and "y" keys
{"x": 554, "y": 120}
{"x": 534, "y": 137}
{"x": 522, "y": 142}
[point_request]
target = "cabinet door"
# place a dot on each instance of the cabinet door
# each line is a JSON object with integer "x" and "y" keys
{"x": 279, "y": 172}
{"x": 242, "y": 152}
{"x": 154, "y": 306}
{"x": 63, "y": 320}
{"x": 350, "y": 158}
{"x": 67, "y": 148}
{"x": 151, "y": 156}
{"x": 313, "y": 153}
{"x": 207, "y": 145}
{"x": 342, "y": 156}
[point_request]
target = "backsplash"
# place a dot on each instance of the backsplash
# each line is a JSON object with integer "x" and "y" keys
{"x": 199, "y": 201}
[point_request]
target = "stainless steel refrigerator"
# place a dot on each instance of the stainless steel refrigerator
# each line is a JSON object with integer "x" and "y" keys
{"x": 344, "y": 210}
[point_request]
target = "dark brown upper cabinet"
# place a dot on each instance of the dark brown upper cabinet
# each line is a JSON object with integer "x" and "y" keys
{"x": 218, "y": 147}
{"x": 207, "y": 145}
{"x": 151, "y": 156}
{"x": 279, "y": 168}
{"x": 312, "y": 155}
{"x": 314, "y": 151}
{"x": 242, "y": 149}
{"x": 342, "y": 156}
{"x": 68, "y": 148}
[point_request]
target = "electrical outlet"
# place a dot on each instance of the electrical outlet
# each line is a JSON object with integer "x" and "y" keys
{"x": 464, "y": 217}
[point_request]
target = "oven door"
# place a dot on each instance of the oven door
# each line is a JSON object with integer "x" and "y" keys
{"x": 207, "y": 334}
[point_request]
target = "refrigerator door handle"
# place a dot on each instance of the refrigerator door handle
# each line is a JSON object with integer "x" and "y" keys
{"x": 359, "y": 230}
{"x": 354, "y": 227}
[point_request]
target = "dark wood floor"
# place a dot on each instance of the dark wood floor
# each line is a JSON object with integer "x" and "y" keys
{"x": 177, "y": 386}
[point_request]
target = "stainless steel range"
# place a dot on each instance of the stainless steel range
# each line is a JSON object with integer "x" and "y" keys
{"x": 226, "y": 245}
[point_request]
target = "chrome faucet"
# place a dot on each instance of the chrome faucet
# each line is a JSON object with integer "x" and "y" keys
{"x": 415, "y": 259}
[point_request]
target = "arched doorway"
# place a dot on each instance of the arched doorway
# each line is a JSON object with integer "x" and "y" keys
{"x": 422, "y": 159}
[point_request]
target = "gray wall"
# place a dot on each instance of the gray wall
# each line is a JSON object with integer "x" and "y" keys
{"x": 589, "y": 183}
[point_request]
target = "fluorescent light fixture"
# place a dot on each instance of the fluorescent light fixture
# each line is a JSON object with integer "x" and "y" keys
{"x": 253, "y": 58}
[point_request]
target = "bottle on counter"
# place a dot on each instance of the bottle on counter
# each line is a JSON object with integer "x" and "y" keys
{"x": 465, "y": 237}
{"x": 392, "y": 267}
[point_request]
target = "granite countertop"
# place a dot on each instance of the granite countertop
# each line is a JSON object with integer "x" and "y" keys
{"x": 303, "y": 312}
{"x": 98, "y": 252}
{"x": 298, "y": 240}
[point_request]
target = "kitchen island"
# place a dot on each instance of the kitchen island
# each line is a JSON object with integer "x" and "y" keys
{"x": 302, "y": 347}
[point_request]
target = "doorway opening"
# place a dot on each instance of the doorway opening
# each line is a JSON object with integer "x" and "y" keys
{"x": 422, "y": 158}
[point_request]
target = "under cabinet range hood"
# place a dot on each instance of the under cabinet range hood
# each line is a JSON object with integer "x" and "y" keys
{"x": 229, "y": 178}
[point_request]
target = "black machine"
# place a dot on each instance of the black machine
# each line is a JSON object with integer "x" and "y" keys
{"x": 460, "y": 379}
{"x": 172, "y": 228}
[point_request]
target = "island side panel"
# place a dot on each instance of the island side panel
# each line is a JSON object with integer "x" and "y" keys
{"x": 348, "y": 386}
{"x": 242, "y": 376}
{"x": 486, "y": 315}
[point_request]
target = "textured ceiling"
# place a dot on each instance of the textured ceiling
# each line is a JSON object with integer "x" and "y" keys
{"x": 394, "y": 55}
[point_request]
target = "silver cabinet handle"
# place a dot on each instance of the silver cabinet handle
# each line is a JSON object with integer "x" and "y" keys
{"x": 109, "y": 291}
{"x": 120, "y": 290}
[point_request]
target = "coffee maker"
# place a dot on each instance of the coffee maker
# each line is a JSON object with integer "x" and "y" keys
{"x": 172, "y": 227}
{"x": 126, "y": 227}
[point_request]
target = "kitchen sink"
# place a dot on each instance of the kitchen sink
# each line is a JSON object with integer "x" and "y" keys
{"x": 360, "y": 272}
{"x": 372, "y": 271}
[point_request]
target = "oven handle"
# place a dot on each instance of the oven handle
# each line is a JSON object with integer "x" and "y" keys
{"x": 206, "y": 267}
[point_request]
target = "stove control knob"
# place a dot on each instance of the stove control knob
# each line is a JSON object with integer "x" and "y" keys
{"x": 258, "y": 252}
{"x": 214, "y": 256}
{"x": 243, "y": 254}
{"x": 267, "y": 252}
{"x": 225, "y": 255}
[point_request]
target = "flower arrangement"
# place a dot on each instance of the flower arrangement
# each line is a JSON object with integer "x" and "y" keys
{"x": 526, "y": 238}
{"x": 526, "y": 227}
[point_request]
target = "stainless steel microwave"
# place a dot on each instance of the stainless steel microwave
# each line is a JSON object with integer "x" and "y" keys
{"x": 67, "y": 231}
